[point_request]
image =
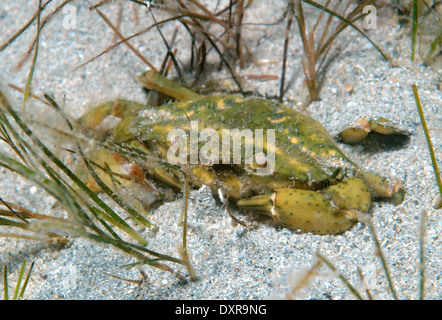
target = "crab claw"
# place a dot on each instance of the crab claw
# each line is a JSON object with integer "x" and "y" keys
{"x": 381, "y": 188}
{"x": 308, "y": 211}
{"x": 352, "y": 194}
{"x": 363, "y": 126}
{"x": 356, "y": 133}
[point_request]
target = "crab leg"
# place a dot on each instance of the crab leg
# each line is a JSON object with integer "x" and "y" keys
{"x": 155, "y": 81}
{"x": 125, "y": 110}
{"x": 118, "y": 108}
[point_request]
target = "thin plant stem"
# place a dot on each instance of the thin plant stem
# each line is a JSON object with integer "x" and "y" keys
{"x": 25, "y": 284}
{"x": 422, "y": 230}
{"x": 118, "y": 33}
{"x": 25, "y": 27}
{"x": 5, "y": 284}
{"x": 382, "y": 257}
{"x": 348, "y": 22}
{"x": 344, "y": 280}
{"x": 19, "y": 280}
{"x": 34, "y": 60}
{"x": 428, "y": 138}
{"x": 414, "y": 28}
{"x": 284, "y": 57}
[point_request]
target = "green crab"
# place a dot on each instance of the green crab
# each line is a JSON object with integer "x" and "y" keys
{"x": 309, "y": 186}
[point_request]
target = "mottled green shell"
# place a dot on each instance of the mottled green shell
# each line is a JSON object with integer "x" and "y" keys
{"x": 304, "y": 152}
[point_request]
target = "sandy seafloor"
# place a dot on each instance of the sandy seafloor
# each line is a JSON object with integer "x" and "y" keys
{"x": 230, "y": 263}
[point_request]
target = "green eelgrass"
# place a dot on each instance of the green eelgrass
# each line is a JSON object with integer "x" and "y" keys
{"x": 89, "y": 216}
{"x": 422, "y": 229}
{"x": 421, "y": 10}
{"x": 34, "y": 60}
{"x": 19, "y": 289}
{"x": 428, "y": 139}
{"x": 437, "y": 43}
{"x": 439, "y": 183}
{"x": 414, "y": 28}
